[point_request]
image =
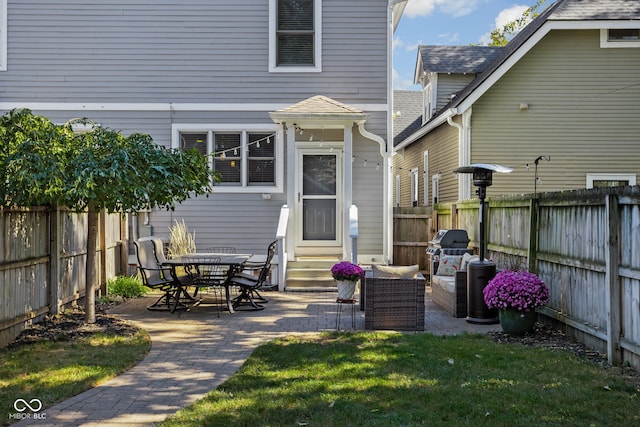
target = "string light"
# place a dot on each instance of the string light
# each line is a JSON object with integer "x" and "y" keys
{"x": 222, "y": 154}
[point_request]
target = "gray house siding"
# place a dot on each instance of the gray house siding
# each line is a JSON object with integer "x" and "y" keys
{"x": 583, "y": 112}
{"x": 189, "y": 51}
{"x": 148, "y": 65}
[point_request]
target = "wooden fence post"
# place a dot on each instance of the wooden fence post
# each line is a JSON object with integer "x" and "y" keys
{"x": 532, "y": 252}
{"x": 55, "y": 248}
{"x": 614, "y": 293}
{"x": 454, "y": 216}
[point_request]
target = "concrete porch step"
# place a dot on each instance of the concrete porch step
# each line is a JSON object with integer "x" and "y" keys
{"x": 311, "y": 273}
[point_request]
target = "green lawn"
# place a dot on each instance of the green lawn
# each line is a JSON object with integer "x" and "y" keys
{"x": 370, "y": 379}
{"x": 52, "y": 370}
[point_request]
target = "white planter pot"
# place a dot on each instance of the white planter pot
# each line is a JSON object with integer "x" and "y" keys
{"x": 346, "y": 289}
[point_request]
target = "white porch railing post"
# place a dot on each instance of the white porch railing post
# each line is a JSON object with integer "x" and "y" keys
{"x": 281, "y": 235}
{"x": 353, "y": 232}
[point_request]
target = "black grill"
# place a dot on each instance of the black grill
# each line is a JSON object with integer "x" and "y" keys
{"x": 449, "y": 242}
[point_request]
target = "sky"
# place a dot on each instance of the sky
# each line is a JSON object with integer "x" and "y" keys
{"x": 447, "y": 22}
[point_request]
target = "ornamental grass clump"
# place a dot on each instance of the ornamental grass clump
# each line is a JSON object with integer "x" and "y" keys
{"x": 519, "y": 290}
{"x": 347, "y": 271}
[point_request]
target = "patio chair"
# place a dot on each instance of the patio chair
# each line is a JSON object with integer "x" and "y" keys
{"x": 154, "y": 276}
{"x": 250, "y": 284}
{"x": 208, "y": 275}
{"x": 220, "y": 250}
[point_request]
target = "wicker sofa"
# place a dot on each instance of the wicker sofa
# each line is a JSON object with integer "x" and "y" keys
{"x": 394, "y": 303}
{"x": 449, "y": 285}
{"x": 450, "y": 293}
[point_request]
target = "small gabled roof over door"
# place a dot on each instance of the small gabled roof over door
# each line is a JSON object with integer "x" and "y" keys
{"x": 319, "y": 110}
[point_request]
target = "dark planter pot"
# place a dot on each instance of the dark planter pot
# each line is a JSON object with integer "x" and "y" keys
{"x": 516, "y": 322}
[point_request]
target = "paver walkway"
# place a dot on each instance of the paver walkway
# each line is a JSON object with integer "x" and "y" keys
{"x": 194, "y": 352}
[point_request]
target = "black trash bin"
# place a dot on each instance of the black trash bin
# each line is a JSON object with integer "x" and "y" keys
{"x": 479, "y": 273}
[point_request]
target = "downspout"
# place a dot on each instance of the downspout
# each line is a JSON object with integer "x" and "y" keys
{"x": 464, "y": 152}
{"x": 387, "y": 207}
{"x": 386, "y": 147}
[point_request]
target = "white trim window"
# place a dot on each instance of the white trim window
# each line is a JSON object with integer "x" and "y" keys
{"x": 425, "y": 177}
{"x": 435, "y": 188}
{"x": 414, "y": 186}
{"x": 295, "y": 36}
{"x": 246, "y": 158}
{"x": 398, "y": 186}
{"x": 620, "y": 37}
{"x": 3, "y": 35}
{"x": 595, "y": 180}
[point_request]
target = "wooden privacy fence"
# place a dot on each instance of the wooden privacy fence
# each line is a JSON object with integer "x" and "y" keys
{"x": 584, "y": 244}
{"x": 43, "y": 260}
{"x": 412, "y": 231}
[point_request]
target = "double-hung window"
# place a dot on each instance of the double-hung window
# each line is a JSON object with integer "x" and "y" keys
{"x": 247, "y": 160}
{"x": 295, "y": 36}
{"x": 414, "y": 186}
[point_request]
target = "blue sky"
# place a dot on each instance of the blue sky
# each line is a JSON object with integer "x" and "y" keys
{"x": 447, "y": 22}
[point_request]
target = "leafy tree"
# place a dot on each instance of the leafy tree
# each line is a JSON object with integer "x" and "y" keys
{"x": 501, "y": 36}
{"x": 47, "y": 164}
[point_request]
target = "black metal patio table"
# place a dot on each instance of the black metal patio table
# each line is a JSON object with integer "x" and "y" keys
{"x": 234, "y": 262}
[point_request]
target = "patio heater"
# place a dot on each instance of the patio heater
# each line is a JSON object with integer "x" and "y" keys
{"x": 480, "y": 272}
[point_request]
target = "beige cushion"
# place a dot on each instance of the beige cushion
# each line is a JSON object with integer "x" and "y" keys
{"x": 449, "y": 264}
{"x": 466, "y": 259}
{"x": 395, "y": 272}
{"x": 448, "y": 283}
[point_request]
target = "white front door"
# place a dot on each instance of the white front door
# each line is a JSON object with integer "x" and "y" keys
{"x": 318, "y": 198}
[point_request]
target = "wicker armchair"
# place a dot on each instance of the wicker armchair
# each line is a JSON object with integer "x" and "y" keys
{"x": 394, "y": 303}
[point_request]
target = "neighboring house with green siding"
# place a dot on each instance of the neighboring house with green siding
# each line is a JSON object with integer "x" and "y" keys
{"x": 566, "y": 87}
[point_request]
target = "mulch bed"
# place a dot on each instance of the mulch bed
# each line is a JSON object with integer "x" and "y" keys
{"x": 70, "y": 325}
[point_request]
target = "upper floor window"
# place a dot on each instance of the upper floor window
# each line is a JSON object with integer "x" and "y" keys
{"x": 295, "y": 37}
{"x": 620, "y": 37}
{"x": 247, "y": 160}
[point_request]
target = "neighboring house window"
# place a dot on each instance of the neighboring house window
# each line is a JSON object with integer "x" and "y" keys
{"x": 427, "y": 94}
{"x": 414, "y": 187}
{"x": 620, "y": 37}
{"x": 398, "y": 191}
{"x": 295, "y": 35}
{"x": 3, "y": 35}
{"x": 435, "y": 188}
{"x": 595, "y": 180}
{"x": 425, "y": 177}
{"x": 247, "y": 159}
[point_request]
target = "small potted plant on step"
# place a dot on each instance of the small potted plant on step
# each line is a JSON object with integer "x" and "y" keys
{"x": 516, "y": 295}
{"x": 347, "y": 276}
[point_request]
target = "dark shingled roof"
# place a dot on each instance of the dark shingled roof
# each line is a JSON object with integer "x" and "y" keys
{"x": 408, "y": 103}
{"x": 589, "y": 10}
{"x": 457, "y": 59}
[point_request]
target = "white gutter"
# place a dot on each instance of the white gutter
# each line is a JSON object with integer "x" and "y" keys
{"x": 387, "y": 211}
{"x": 464, "y": 152}
{"x": 394, "y": 13}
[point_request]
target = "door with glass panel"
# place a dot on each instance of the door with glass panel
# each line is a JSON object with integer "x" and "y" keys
{"x": 318, "y": 198}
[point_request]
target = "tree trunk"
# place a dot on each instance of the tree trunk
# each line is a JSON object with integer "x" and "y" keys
{"x": 90, "y": 293}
